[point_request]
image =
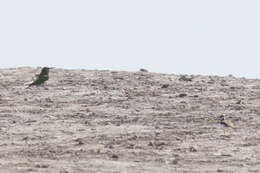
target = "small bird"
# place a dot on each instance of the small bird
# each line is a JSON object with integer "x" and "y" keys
{"x": 226, "y": 122}
{"x": 42, "y": 77}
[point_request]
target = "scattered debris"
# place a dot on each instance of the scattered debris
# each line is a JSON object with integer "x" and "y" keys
{"x": 174, "y": 161}
{"x": 182, "y": 95}
{"x": 114, "y": 156}
{"x": 79, "y": 141}
{"x": 220, "y": 170}
{"x": 165, "y": 85}
{"x": 240, "y": 101}
{"x": 156, "y": 144}
{"x": 193, "y": 149}
{"x": 185, "y": 78}
{"x": 64, "y": 171}
{"x": 150, "y": 143}
{"x": 42, "y": 166}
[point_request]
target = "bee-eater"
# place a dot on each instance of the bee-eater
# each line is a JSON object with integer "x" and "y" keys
{"x": 42, "y": 77}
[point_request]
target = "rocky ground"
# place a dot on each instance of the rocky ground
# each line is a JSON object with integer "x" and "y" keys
{"x": 115, "y": 121}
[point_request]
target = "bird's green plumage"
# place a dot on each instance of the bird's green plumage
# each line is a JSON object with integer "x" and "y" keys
{"x": 42, "y": 77}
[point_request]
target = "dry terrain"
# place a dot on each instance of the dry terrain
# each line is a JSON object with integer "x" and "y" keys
{"x": 131, "y": 122}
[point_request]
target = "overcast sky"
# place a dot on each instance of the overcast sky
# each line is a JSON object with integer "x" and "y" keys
{"x": 215, "y": 37}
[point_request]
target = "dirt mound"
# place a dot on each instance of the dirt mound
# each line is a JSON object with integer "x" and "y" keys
{"x": 115, "y": 121}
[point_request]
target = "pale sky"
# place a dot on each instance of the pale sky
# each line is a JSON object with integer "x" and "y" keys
{"x": 210, "y": 37}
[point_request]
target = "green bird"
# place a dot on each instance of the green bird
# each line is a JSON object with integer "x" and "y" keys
{"x": 42, "y": 77}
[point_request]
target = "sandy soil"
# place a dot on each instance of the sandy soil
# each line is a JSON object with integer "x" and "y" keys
{"x": 111, "y": 121}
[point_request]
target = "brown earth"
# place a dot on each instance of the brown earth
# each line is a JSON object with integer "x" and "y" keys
{"x": 114, "y": 121}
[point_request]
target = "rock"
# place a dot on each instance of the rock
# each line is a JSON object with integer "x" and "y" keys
{"x": 143, "y": 70}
